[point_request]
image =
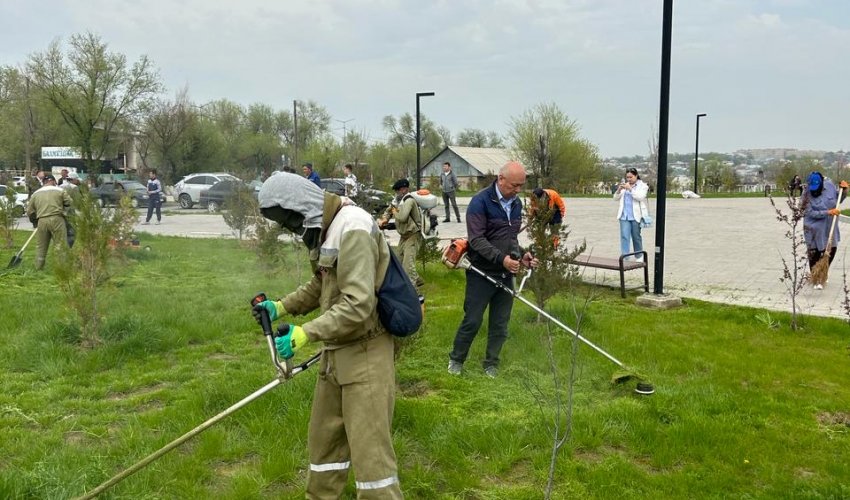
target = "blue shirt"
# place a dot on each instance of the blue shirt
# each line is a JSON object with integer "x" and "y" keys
{"x": 628, "y": 209}
{"x": 505, "y": 202}
{"x": 315, "y": 178}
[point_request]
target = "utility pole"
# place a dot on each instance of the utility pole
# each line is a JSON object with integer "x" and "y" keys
{"x": 418, "y": 139}
{"x": 696, "y": 156}
{"x": 663, "y": 122}
{"x": 295, "y": 135}
{"x": 344, "y": 137}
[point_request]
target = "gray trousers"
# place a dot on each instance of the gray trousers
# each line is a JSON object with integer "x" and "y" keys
{"x": 480, "y": 294}
{"x": 450, "y": 197}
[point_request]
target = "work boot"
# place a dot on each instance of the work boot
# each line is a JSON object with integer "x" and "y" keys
{"x": 491, "y": 371}
{"x": 455, "y": 368}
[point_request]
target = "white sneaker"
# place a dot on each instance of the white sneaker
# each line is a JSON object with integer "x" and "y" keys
{"x": 157, "y": 223}
{"x": 455, "y": 368}
{"x": 818, "y": 287}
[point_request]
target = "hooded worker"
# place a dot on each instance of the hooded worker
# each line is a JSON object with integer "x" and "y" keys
{"x": 354, "y": 395}
{"x": 820, "y": 200}
{"x": 408, "y": 223}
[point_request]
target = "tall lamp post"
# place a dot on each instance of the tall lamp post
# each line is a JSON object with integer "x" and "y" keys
{"x": 696, "y": 157}
{"x": 418, "y": 140}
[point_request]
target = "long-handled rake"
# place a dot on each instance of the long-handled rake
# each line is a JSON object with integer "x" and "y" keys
{"x": 16, "y": 259}
{"x": 455, "y": 257}
{"x": 284, "y": 372}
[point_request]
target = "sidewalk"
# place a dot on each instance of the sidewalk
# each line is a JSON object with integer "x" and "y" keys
{"x": 721, "y": 250}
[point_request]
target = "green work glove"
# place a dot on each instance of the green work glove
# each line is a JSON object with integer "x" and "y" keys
{"x": 292, "y": 338}
{"x": 274, "y": 308}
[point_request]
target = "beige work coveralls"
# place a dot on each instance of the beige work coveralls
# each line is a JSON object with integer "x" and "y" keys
{"x": 350, "y": 423}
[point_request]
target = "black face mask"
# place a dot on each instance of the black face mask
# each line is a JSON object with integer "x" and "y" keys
{"x": 311, "y": 236}
{"x": 288, "y": 219}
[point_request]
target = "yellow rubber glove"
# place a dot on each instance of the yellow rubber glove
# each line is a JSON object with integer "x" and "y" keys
{"x": 291, "y": 338}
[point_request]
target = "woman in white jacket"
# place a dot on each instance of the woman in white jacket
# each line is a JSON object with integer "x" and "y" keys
{"x": 633, "y": 208}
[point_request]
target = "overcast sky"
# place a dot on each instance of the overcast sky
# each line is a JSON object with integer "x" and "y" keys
{"x": 769, "y": 73}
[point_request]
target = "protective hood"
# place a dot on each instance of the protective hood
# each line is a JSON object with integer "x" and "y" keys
{"x": 295, "y": 193}
{"x": 816, "y": 183}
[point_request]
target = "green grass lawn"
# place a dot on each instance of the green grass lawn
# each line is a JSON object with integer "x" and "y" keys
{"x": 742, "y": 410}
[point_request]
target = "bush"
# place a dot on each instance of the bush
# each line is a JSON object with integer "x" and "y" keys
{"x": 243, "y": 212}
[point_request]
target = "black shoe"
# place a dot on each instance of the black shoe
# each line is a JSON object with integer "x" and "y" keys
{"x": 446, "y": 220}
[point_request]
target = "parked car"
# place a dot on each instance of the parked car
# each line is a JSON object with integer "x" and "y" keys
{"x": 188, "y": 190}
{"x": 373, "y": 201}
{"x": 20, "y": 200}
{"x": 219, "y": 195}
{"x": 111, "y": 192}
{"x": 19, "y": 181}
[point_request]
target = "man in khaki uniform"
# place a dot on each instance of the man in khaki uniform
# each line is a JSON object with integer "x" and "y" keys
{"x": 354, "y": 395}
{"x": 46, "y": 209}
{"x": 408, "y": 221}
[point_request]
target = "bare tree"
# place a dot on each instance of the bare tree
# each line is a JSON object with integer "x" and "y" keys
{"x": 163, "y": 131}
{"x": 794, "y": 274}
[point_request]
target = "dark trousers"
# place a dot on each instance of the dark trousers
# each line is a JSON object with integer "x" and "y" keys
{"x": 154, "y": 202}
{"x": 815, "y": 255}
{"x": 480, "y": 293}
{"x": 450, "y": 197}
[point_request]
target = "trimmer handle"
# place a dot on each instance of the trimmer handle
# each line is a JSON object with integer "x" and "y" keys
{"x": 265, "y": 321}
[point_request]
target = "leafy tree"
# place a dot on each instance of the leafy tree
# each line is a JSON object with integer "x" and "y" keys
{"x": 94, "y": 90}
{"x": 556, "y": 271}
{"x": 548, "y": 141}
{"x": 243, "y": 211}
{"x": 164, "y": 135}
{"x": 99, "y": 233}
{"x": 477, "y": 138}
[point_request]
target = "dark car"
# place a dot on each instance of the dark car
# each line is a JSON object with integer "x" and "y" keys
{"x": 373, "y": 201}
{"x": 111, "y": 192}
{"x": 221, "y": 193}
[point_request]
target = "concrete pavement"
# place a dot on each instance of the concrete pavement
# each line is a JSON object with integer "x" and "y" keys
{"x": 726, "y": 250}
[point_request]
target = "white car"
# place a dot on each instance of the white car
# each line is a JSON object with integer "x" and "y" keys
{"x": 19, "y": 181}
{"x": 20, "y": 200}
{"x": 188, "y": 190}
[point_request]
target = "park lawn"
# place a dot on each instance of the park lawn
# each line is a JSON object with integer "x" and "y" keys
{"x": 741, "y": 409}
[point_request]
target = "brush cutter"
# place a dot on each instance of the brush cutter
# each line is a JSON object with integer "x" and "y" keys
{"x": 454, "y": 257}
{"x": 285, "y": 372}
{"x": 16, "y": 259}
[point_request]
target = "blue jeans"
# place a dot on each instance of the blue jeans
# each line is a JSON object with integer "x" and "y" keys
{"x": 630, "y": 230}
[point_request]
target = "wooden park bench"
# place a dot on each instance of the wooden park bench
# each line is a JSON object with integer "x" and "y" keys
{"x": 618, "y": 264}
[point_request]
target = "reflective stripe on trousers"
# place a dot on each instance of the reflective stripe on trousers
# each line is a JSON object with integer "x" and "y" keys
{"x": 331, "y": 466}
{"x": 374, "y": 485}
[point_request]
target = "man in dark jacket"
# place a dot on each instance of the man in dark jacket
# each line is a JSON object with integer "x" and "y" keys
{"x": 493, "y": 221}
{"x": 448, "y": 184}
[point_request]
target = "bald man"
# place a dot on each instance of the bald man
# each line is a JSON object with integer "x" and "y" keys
{"x": 493, "y": 221}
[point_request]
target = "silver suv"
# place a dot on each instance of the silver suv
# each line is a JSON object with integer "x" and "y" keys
{"x": 188, "y": 190}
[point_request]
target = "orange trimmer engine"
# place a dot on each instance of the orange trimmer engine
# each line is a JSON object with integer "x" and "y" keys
{"x": 454, "y": 255}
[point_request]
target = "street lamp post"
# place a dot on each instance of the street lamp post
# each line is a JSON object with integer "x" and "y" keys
{"x": 696, "y": 157}
{"x": 418, "y": 140}
{"x": 344, "y": 137}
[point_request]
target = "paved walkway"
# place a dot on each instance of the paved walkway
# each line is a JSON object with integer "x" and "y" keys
{"x": 721, "y": 250}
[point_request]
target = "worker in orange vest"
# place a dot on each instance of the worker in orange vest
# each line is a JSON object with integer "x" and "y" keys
{"x": 556, "y": 204}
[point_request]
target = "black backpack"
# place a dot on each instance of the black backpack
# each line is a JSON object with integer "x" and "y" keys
{"x": 399, "y": 308}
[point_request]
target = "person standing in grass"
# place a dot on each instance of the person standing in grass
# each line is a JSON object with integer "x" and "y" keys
{"x": 493, "y": 221}
{"x": 631, "y": 195}
{"x": 350, "y": 423}
{"x": 820, "y": 199}
{"x": 46, "y": 210}
{"x": 154, "y": 197}
{"x": 408, "y": 221}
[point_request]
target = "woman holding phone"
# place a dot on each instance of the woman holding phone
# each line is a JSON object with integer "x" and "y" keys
{"x": 631, "y": 195}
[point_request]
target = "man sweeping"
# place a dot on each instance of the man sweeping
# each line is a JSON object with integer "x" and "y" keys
{"x": 820, "y": 225}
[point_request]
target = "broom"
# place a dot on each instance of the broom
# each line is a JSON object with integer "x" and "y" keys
{"x": 820, "y": 273}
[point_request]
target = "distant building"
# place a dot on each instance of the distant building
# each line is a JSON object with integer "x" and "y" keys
{"x": 474, "y": 167}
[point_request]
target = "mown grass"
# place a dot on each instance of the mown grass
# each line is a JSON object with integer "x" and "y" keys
{"x": 741, "y": 409}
